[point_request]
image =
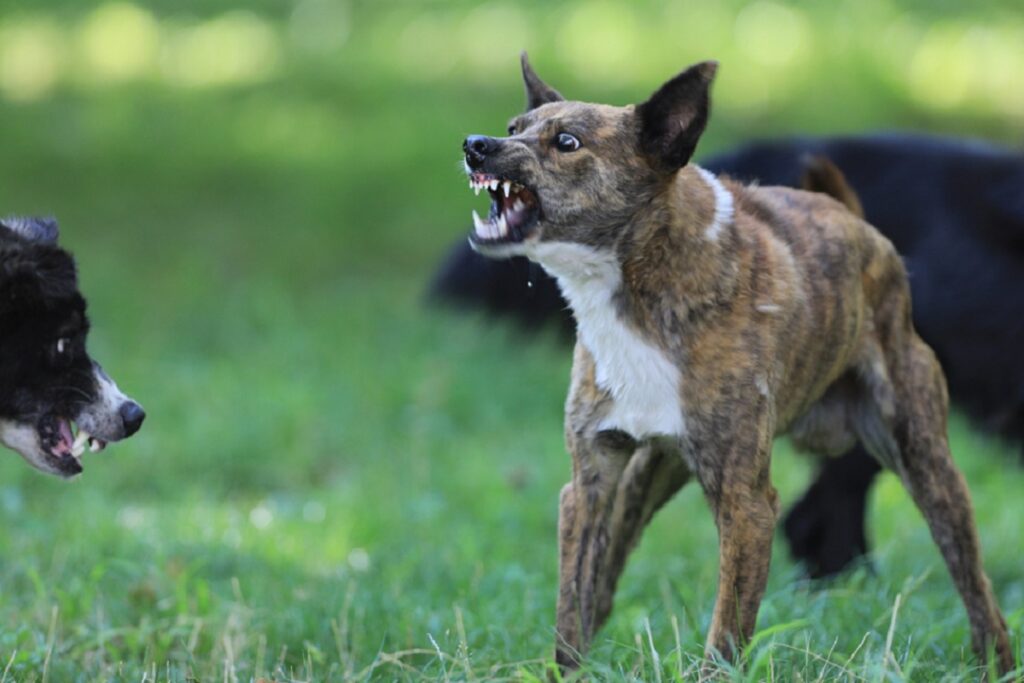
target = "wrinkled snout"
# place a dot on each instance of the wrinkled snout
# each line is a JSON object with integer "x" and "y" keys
{"x": 478, "y": 148}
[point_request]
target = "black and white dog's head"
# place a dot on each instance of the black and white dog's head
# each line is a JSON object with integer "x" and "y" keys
{"x": 49, "y": 386}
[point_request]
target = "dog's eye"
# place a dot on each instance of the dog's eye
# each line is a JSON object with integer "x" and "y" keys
{"x": 63, "y": 344}
{"x": 567, "y": 143}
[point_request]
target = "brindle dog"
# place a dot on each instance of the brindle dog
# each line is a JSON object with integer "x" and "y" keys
{"x": 711, "y": 317}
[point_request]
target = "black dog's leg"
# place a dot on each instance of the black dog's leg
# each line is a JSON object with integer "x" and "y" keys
{"x": 825, "y": 528}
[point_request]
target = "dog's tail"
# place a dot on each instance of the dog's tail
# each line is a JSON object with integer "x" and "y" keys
{"x": 819, "y": 174}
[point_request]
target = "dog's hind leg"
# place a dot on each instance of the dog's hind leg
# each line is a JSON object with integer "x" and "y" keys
{"x": 616, "y": 490}
{"x": 926, "y": 468}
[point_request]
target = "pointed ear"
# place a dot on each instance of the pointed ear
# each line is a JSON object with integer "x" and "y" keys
{"x": 537, "y": 91}
{"x": 672, "y": 120}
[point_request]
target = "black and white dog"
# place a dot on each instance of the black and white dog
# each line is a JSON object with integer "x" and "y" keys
{"x": 955, "y": 211}
{"x": 49, "y": 386}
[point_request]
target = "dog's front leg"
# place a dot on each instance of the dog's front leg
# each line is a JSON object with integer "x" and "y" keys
{"x": 733, "y": 468}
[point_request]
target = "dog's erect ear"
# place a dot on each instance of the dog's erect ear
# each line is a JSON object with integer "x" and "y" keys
{"x": 34, "y": 229}
{"x": 537, "y": 91}
{"x": 672, "y": 120}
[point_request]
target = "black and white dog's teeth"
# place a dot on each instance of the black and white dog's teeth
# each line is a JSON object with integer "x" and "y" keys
{"x": 78, "y": 447}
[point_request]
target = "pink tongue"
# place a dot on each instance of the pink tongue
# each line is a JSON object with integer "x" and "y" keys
{"x": 65, "y": 432}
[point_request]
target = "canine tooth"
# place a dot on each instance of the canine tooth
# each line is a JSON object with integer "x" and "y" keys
{"x": 502, "y": 226}
{"x": 80, "y": 440}
{"x": 95, "y": 446}
{"x": 506, "y": 186}
{"x": 479, "y": 225}
{"x": 494, "y": 184}
{"x": 476, "y": 190}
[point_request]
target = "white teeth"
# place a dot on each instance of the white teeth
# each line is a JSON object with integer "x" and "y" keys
{"x": 95, "y": 446}
{"x": 479, "y": 225}
{"x": 78, "y": 447}
{"x": 476, "y": 190}
{"x": 494, "y": 228}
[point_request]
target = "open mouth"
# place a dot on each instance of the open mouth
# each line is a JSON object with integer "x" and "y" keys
{"x": 514, "y": 210}
{"x": 66, "y": 442}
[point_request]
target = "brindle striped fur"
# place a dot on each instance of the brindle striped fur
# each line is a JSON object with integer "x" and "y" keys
{"x": 794, "y": 318}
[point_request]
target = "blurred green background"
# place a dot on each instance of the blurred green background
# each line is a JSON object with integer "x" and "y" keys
{"x": 335, "y": 482}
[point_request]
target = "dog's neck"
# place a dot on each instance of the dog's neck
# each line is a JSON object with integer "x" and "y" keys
{"x": 678, "y": 256}
{"x": 685, "y": 254}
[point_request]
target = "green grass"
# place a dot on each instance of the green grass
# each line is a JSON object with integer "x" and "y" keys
{"x": 337, "y": 483}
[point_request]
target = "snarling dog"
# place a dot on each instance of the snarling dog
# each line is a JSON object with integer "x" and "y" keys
{"x": 959, "y": 225}
{"x": 49, "y": 386}
{"x": 711, "y": 317}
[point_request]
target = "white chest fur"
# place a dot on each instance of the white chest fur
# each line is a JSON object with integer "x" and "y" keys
{"x": 643, "y": 382}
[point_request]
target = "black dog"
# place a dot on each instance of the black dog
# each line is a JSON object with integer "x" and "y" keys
{"x": 955, "y": 211}
{"x": 48, "y": 382}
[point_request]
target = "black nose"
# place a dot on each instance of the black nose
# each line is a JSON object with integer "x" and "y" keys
{"x": 132, "y": 416}
{"x": 477, "y": 147}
